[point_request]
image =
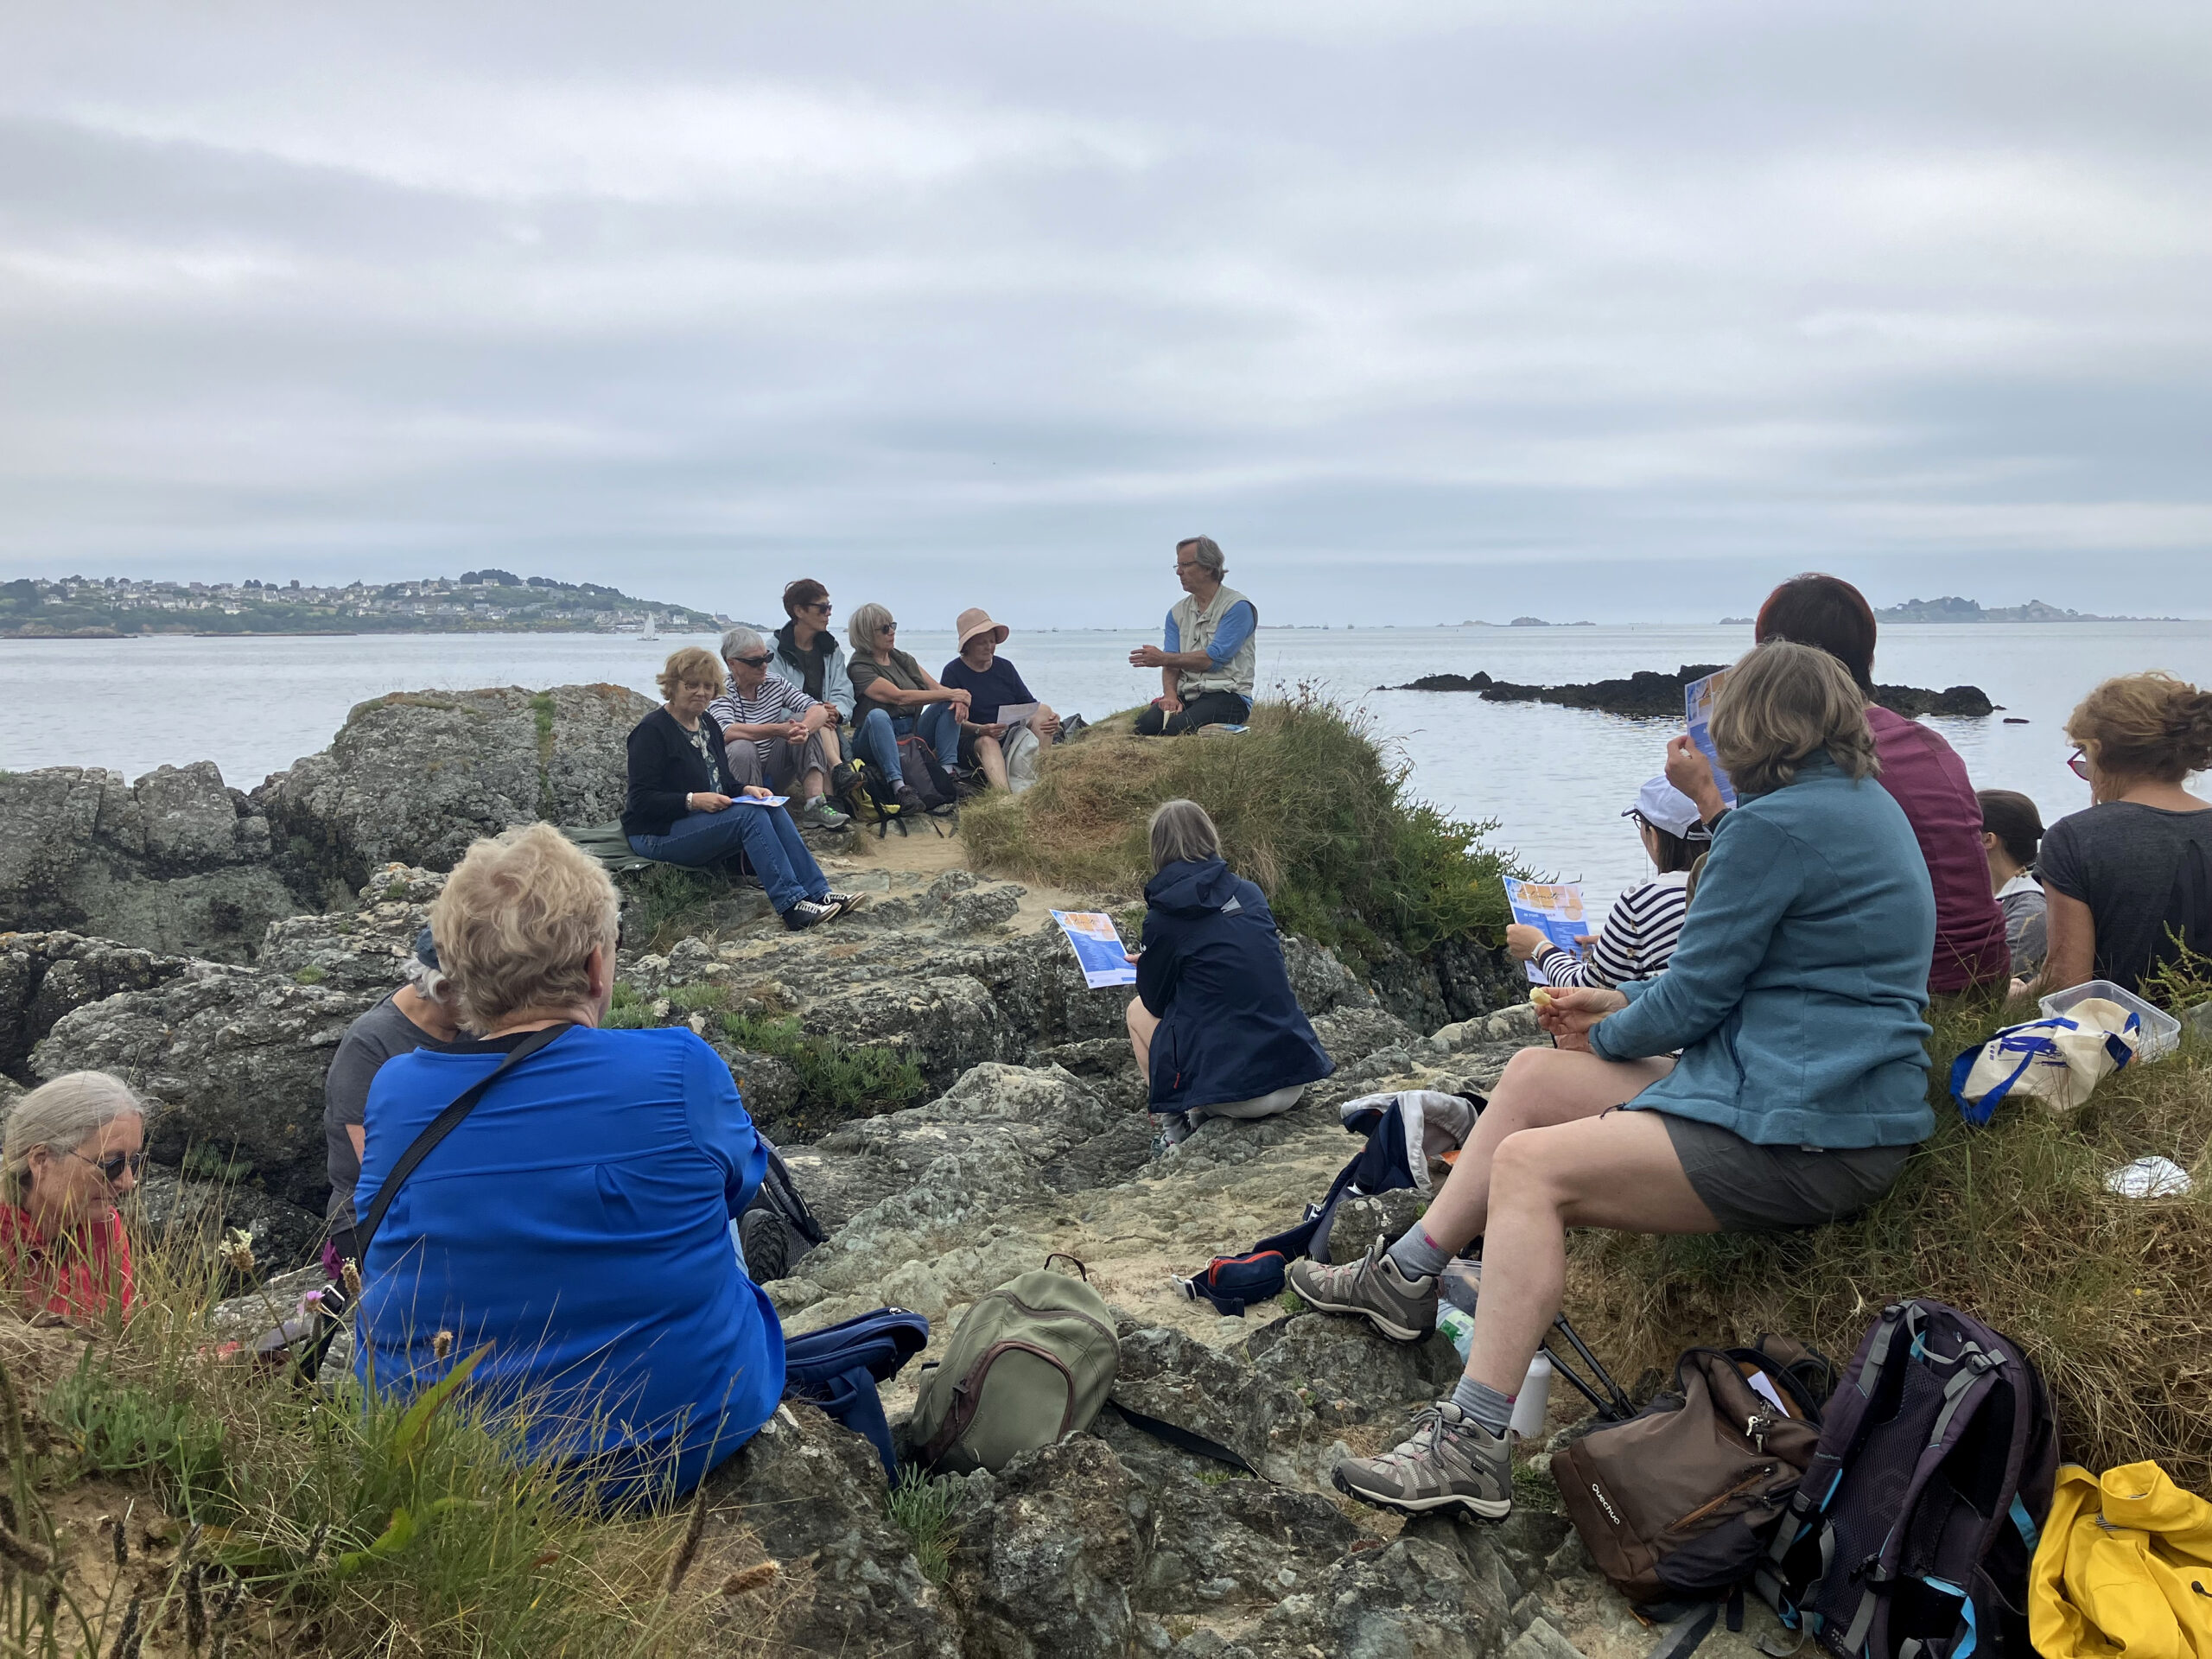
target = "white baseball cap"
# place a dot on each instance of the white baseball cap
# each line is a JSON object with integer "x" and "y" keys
{"x": 1662, "y": 806}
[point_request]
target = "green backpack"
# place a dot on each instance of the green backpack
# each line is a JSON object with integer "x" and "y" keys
{"x": 1029, "y": 1365}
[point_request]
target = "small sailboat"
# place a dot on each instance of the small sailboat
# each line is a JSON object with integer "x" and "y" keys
{"x": 652, "y": 625}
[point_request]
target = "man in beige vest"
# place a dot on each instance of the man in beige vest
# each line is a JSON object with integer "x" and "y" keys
{"x": 1206, "y": 662}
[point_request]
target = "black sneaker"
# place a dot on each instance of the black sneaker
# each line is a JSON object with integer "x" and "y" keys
{"x": 844, "y": 903}
{"x": 807, "y": 913}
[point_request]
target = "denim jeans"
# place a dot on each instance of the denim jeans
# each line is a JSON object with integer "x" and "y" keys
{"x": 939, "y": 726}
{"x": 766, "y": 836}
{"x": 874, "y": 741}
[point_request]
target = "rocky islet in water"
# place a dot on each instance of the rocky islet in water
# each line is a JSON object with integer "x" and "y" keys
{"x": 1651, "y": 694}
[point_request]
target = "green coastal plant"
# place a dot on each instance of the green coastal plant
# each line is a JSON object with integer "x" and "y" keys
{"x": 922, "y": 1510}
{"x": 1310, "y": 806}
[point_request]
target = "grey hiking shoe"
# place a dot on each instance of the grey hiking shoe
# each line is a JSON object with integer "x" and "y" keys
{"x": 1400, "y": 1308}
{"x": 819, "y": 814}
{"x": 1448, "y": 1459}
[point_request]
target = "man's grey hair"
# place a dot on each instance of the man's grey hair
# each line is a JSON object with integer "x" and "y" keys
{"x": 860, "y": 627}
{"x": 431, "y": 983}
{"x": 1182, "y": 833}
{"x": 1205, "y": 552}
{"x": 742, "y": 642}
{"x": 60, "y": 1115}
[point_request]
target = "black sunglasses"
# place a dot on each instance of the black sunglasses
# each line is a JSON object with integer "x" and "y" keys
{"x": 114, "y": 1164}
{"x": 751, "y": 662}
{"x": 818, "y": 605}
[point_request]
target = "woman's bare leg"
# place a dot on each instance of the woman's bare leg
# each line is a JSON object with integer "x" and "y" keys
{"x": 1618, "y": 1171}
{"x": 1141, "y": 1023}
{"x": 991, "y": 758}
{"x": 1541, "y": 1087}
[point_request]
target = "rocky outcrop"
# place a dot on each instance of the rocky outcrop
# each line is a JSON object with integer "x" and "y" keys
{"x": 176, "y": 862}
{"x": 1648, "y": 694}
{"x": 414, "y": 776}
{"x": 233, "y": 1058}
{"x": 45, "y": 976}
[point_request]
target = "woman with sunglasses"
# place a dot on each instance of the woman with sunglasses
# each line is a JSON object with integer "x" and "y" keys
{"x": 74, "y": 1148}
{"x": 916, "y": 700}
{"x": 2128, "y": 883}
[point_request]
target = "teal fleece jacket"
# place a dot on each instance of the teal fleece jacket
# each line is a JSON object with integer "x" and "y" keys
{"x": 1795, "y": 994}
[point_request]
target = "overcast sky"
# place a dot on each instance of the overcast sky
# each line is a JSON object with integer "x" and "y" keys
{"x": 1424, "y": 311}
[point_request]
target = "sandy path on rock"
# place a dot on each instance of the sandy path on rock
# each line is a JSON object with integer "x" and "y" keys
{"x": 924, "y": 854}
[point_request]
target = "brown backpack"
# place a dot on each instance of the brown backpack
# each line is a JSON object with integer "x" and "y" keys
{"x": 1677, "y": 1503}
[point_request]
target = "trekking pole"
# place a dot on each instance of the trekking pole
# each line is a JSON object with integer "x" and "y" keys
{"x": 1617, "y": 1408}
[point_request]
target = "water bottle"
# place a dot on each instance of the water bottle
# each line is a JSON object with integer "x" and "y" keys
{"x": 1457, "y": 1327}
{"x": 1535, "y": 1398}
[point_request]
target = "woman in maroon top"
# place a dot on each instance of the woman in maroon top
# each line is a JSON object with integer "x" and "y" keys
{"x": 1919, "y": 769}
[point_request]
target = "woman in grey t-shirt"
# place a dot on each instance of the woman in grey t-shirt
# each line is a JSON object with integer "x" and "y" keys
{"x": 419, "y": 1015}
{"x": 2129, "y": 882}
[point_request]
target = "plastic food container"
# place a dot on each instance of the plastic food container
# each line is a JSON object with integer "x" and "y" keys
{"x": 2161, "y": 1031}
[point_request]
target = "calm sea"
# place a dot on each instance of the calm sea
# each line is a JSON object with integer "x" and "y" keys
{"x": 1555, "y": 779}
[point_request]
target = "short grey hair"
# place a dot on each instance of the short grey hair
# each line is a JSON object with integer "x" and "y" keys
{"x": 1206, "y": 553}
{"x": 1182, "y": 833}
{"x": 742, "y": 642}
{"x": 860, "y": 626}
{"x": 60, "y": 1115}
{"x": 432, "y": 984}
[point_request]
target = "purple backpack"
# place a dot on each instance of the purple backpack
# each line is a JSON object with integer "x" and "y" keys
{"x": 1911, "y": 1533}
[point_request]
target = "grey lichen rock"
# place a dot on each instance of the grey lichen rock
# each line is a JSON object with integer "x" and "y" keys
{"x": 1045, "y": 1566}
{"x": 198, "y": 1213}
{"x": 45, "y": 976}
{"x": 174, "y": 862}
{"x": 417, "y": 776}
{"x": 812, "y": 1495}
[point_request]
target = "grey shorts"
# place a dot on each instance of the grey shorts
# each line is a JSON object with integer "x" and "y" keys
{"x": 1755, "y": 1189}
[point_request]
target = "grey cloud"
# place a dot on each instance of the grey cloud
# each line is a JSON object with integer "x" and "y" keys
{"x": 914, "y": 296}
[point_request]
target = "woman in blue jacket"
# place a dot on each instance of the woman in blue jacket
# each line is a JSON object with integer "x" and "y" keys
{"x": 1795, "y": 998}
{"x": 575, "y": 1223}
{"x": 1214, "y": 1024}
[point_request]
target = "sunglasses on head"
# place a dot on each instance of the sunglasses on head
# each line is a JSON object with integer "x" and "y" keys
{"x": 2078, "y": 763}
{"x": 112, "y": 1166}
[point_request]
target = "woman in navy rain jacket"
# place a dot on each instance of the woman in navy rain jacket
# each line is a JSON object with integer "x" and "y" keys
{"x": 1214, "y": 1024}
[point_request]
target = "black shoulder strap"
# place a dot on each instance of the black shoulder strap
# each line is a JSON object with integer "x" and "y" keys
{"x": 1184, "y": 1440}
{"x": 442, "y": 1126}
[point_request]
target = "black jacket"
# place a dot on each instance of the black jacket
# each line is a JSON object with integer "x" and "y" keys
{"x": 664, "y": 767}
{"x": 1212, "y": 971}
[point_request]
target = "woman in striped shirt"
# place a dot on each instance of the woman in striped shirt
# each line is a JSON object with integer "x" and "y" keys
{"x": 1641, "y": 929}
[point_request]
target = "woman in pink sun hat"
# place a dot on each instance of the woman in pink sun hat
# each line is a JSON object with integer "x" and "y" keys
{"x": 992, "y": 684}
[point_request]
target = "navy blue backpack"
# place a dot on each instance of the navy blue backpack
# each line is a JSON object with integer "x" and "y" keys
{"x": 839, "y": 1367}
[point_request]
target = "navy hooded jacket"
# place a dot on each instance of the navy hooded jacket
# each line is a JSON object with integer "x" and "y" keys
{"x": 1212, "y": 971}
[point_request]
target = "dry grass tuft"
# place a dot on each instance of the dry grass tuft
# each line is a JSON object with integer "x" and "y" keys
{"x": 2108, "y": 1295}
{"x": 1309, "y": 807}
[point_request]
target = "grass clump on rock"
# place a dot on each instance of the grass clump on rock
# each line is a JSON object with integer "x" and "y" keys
{"x": 1309, "y": 807}
{"x": 163, "y": 1490}
{"x": 2011, "y": 1223}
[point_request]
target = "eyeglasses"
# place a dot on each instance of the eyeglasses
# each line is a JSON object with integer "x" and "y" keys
{"x": 751, "y": 662}
{"x": 821, "y": 605}
{"x": 2079, "y": 765}
{"x": 114, "y": 1164}
{"x": 888, "y": 627}
{"x": 1186, "y": 564}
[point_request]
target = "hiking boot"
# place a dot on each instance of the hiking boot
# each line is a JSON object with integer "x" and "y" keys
{"x": 840, "y": 779}
{"x": 818, "y": 814}
{"x": 1169, "y": 1131}
{"x": 1448, "y": 1459}
{"x": 908, "y": 801}
{"x": 806, "y": 913}
{"x": 1400, "y": 1308}
{"x": 767, "y": 1245}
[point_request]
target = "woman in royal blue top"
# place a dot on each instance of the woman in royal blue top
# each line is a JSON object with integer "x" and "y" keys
{"x": 577, "y": 1221}
{"x": 1793, "y": 997}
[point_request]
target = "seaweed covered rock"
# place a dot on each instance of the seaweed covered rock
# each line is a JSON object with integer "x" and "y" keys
{"x": 174, "y": 862}
{"x": 417, "y": 776}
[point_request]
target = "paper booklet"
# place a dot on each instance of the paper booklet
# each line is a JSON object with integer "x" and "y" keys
{"x": 1098, "y": 949}
{"x": 1697, "y": 704}
{"x": 1554, "y": 909}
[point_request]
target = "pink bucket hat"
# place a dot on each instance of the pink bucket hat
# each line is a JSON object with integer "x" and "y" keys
{"x": 976, "y": 620}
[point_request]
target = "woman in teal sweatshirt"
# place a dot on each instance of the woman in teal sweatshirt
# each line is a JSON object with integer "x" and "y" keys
{"x": 1795, "y": 999}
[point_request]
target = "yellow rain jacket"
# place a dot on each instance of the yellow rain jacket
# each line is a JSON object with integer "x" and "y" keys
{"x": 2125, "y": 1566}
